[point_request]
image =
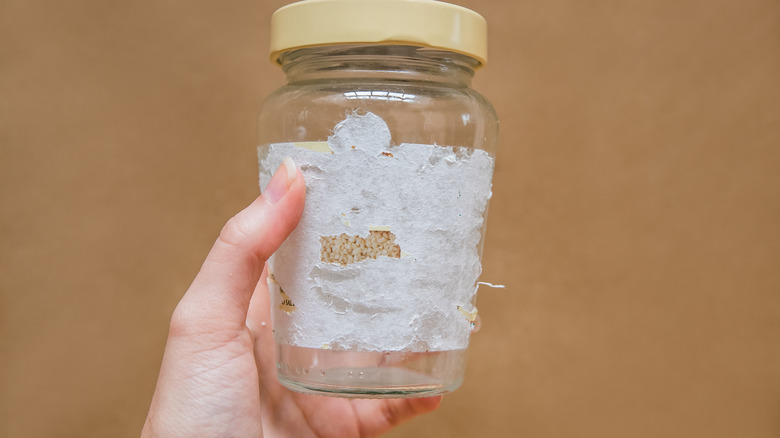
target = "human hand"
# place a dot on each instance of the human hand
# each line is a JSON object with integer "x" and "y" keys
{"x": 218, "y": 375}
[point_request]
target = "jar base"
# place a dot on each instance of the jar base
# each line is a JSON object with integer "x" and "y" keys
{"x": 370, "y": 374}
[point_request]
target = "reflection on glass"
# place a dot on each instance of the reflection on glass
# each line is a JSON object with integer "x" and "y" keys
{"x": 380, "y": 95}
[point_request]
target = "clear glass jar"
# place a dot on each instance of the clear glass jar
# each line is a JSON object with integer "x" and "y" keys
{"x": 424, "y": 97}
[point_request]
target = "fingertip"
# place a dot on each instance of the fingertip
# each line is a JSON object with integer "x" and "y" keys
{"x": 281, "y": 182}
{"x": 292, "y": 170}
{"x": 425, "y": 404}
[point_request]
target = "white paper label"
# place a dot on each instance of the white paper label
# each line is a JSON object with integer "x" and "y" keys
{"x": 385, "y": 256}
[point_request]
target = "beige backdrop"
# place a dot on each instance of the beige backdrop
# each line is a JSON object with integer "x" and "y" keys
{"x": 635, "y": 218}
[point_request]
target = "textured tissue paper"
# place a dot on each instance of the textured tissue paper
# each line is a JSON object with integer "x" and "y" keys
{"x": 385, "y": 256}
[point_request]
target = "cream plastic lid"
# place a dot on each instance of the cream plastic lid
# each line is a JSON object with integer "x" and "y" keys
{"x": 425, "y": 23}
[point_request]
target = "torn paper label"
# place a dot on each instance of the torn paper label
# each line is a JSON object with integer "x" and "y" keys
{"x": 386, "y": 250}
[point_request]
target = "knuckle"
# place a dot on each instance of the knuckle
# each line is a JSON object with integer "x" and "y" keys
{"x": 235, "y": 232}
{"x": 181, "y": 322}
{"x": 203, "y": 329}
{"x": 184, "y": 321}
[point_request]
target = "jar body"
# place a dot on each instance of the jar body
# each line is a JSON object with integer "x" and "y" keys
{"x": 411, "y": 113}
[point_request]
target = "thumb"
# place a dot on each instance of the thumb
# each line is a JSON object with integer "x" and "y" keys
{"x": 219, "y": 296}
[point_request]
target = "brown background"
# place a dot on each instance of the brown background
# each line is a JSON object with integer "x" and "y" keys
{"x": 635, "y": 218}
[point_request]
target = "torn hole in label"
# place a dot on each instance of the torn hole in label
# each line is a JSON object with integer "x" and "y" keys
{"x": 344, "y": 249}
{"x": 286, "y": 305}
{"x": 471, "y": 316}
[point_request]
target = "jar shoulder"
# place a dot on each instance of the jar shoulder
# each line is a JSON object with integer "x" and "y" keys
{"x": 415, "y": 112}
{"x": 349, "y": 94}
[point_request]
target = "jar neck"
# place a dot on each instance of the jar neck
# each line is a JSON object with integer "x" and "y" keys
{"x": 380, "y": 62}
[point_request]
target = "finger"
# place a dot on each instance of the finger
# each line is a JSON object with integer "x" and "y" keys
{"x": 220, "y": 294}
{"x": 258, "y": 321}
{"x": 259, "y": 313}
{"x": 379, "y": 416}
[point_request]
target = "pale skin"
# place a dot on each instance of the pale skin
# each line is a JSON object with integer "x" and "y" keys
{"x": 218, "y": 375}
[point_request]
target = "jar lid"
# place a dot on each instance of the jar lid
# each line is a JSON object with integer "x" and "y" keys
{"x": 425, "y": 23}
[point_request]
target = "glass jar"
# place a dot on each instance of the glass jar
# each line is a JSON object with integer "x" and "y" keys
{"x": 373, "y": 295}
